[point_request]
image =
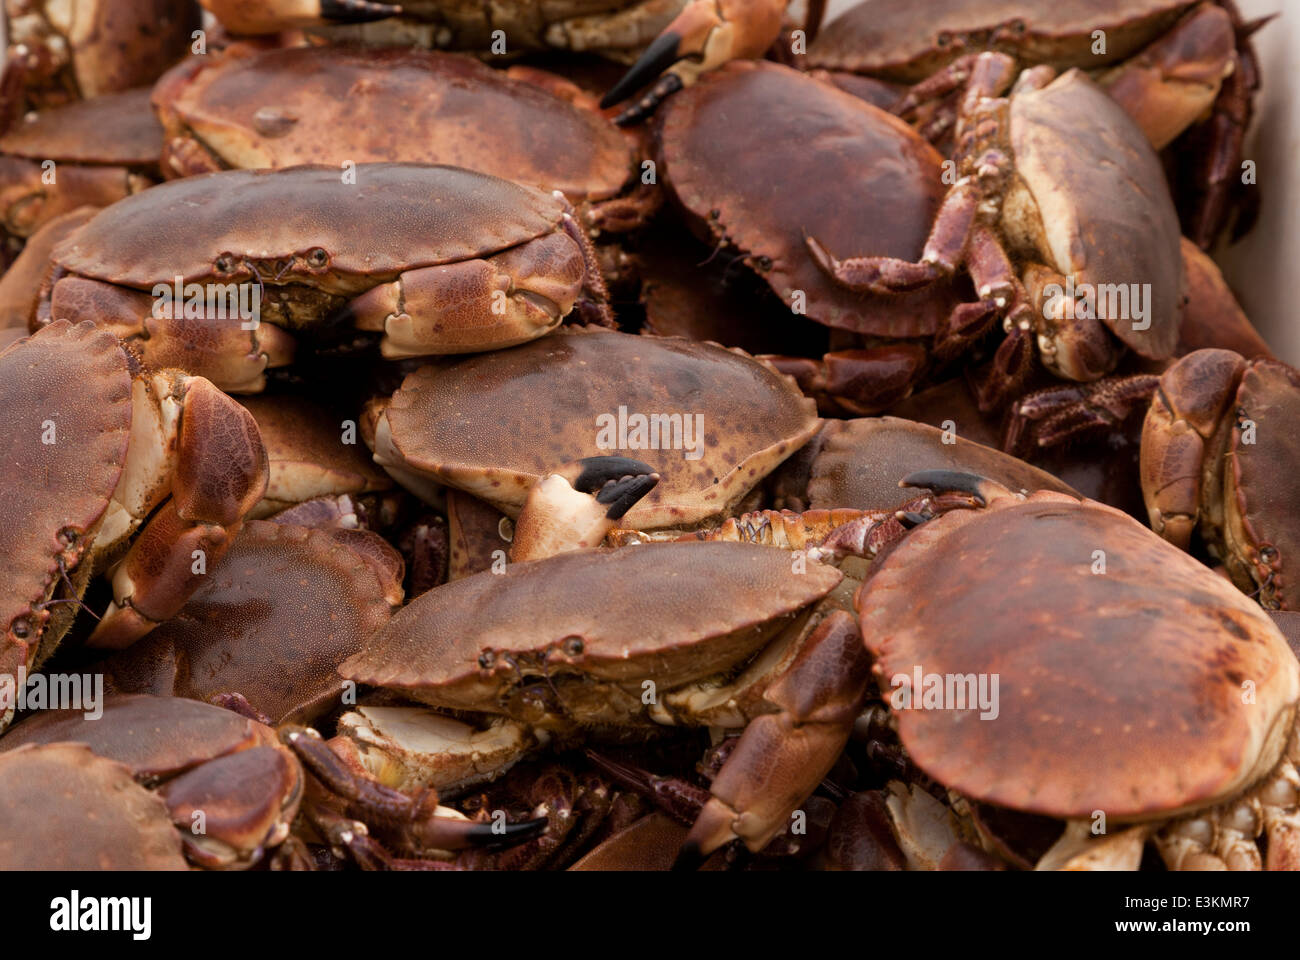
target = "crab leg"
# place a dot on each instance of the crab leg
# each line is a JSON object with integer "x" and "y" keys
{"x": 704, "y": 36}
{"x": 252, "y": 17}
{"x": 864, "y": 382}
{"x": 220, "y": 471}
{"x": 783, "y": 756}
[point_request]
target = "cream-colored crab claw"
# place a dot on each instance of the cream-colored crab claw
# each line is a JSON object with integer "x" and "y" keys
{"x": 253, "y": 17}
{"x": 577, "y": 505}
{"x": 704, "y": 36}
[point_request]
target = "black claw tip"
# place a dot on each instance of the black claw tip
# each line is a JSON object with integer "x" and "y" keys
{"x": 598, "y": 471}
{"x": 626, "y": 494}
{"x": 658, "y": 57}
{"x": 909, "y": 519}
{"x": 689, "y": 858}
{"x": 357, "y": 11}
{"x": 949, "y": 480}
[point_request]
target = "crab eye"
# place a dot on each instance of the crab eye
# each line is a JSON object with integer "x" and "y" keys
{"x": 20, "y": 627}
{"x": 486, "y": 659}
{"x": 318, "y": 257}
{"x": 1268, "y": 554}
{"x": 225, "y": 263}
{"x": 573, "y": 646}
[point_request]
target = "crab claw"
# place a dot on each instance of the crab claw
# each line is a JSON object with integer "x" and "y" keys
{"x": 984, "y": 489}
{"x": 704, "y": 36}
{"x": 576, "y": 506}
{"x": 253, "y": 18}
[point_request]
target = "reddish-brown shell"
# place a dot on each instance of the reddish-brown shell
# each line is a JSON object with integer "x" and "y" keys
{"x": 826, "y": 165}
{"x": 395, "y": 217}
{"x": 116, "y": 129}
{"x": 66, "y": 392}
{"x": 671, "y": 612}
{"x": 1263, "y": 476}
{"x": 64, "y": 808}
{"x": 155, "y": 737}
{"x": 1073, "y": 144}
{"x": 910, "y": 41}
{"x": 860, "y": 461}
{"x": 1123, "y": 691}
{"x": 329, "y": 104}
{"x": 271, "y": 621}
{"x": 494, "y": 424}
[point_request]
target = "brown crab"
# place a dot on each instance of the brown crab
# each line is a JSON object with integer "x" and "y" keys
{"x": 381, "y": 247}
{"x": 1218, "y": 457}
{"x": 1145, "y": 698}
{"x": 740, "y": 199}
{"x": 91, "y": 152}
{"x": 1078, "y": 280}
{"x": 712, "y": 422}
{"x": 59, "y": 52}
{"x": 226, "y": 783}
{"x": 21, "y": 284}
{"x": 247, "y": 108}
{"x": 1216, "y": 446}
{"x": 1172, "y": 64}
{"x": 164, "y": 463}
{"x": 270, "y": 623}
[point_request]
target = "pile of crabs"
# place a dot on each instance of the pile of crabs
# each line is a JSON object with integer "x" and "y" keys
{"x": 624, "y": 434}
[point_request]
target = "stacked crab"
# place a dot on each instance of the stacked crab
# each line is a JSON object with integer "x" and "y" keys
{"x": 434, "y": 445}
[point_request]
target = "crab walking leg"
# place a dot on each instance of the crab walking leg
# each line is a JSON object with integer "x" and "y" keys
{"x": 232, "y": 353}
{"x": 783, "y": 756}
{"x": 578, "y": 505}
{"x": 476, "y": 305}
{"x": 253, "y": 17}
{"x": 704, "y": 36}
{"x": 1280, "y": 799}
{"x": 207, "y": 461}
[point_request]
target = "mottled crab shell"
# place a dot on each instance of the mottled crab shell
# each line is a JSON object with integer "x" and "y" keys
{"x": 826, "y": 165}
{"x": 1263, "y": 476}
{"x": 910, "y": 41}
{"x": 860, "y": 461}
{"x": 66, "y": 392}
{"x": 64, "y": 808}
{"x": 272, "y": 621}
{"x": 278, "y": 108}
{"x": 155, "y": 737}
{"x": 117, "y": 129}
{"x": 395, "y": 217}
{"x": 1102, "y": 209}
{"x": 494, "y": 424}
{"x": 671, "y": 612}
{"x": 1121, "y": 691}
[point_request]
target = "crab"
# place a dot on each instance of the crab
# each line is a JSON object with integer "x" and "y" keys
{"x": 270, "y": 623}
{"x": 152, "y": 473}
{"x": 383, "y": 247}
{"x": 740, "y": 199}
{"x": 1174, "y": 65}
{"x": 1086, "y": 281}
{"x": 92, "y": 814}
{"x": 1153, "y": 693}
{"x": 1218, "y": 456}
{"x": 1216, "y": 425}
{"x": 91, "y": 152}
{"x": 749, "y": 644}
{"x": 226, "y": 783}
{"x": 248, "y": 108}
{"x": 59, "y": 52}
{"x": 676, "y": 40}
{"x": 559, "y": 399}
